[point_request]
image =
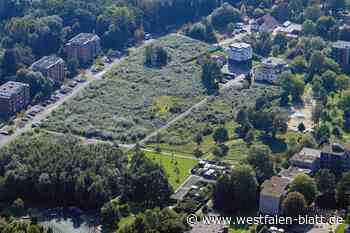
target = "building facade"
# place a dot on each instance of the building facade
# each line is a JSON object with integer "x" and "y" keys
{"x": 52, "y": 67}
{"x": 14, "y": 97}
{"x": 83, "y": 47}
{"x": 240, "y": 54}
{"x": 341, "y": 54}
{"x": 307, "y": 158}
{"x": 272, "y": 194}
{"x": 336, "y": 157}
{"x": 270, "y": 69}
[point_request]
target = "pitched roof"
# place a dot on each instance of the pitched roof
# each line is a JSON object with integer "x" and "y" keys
{"x": 269, "y": 21}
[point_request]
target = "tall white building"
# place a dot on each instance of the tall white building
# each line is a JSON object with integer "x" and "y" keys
{"x": 240, "y": 52}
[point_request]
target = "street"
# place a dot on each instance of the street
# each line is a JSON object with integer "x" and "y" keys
{"x": 5, "y": 139}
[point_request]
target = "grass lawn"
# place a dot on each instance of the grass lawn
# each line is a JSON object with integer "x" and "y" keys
{"x": 170, "y": 163}
{"x": 134, "y": 99}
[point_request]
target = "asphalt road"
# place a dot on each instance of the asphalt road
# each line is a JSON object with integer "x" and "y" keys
{"x": 91, "y": 77}
{"x": 4, "y": 139}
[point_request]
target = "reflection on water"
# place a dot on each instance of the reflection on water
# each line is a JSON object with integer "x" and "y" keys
{"x": 72, "y": 220}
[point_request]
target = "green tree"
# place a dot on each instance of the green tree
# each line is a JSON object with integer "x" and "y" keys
{"x": 301, "y": 127}
{"x": 293, "y": 85}
{"x": 112, "y": 212}
{"x": 299, "y": 64}
{"x": 343, "y": 191}
{"x": 305, "y": 185}
{"x": 9, "y": 64}
{"x": 211, "y": 75}
{"x": 294, "y": 205}
{"x": 324, "y": 26}
{"x": 224, "y": 15}
{"x": 227, "y": 194}
{"x": 259, "y": 157}
{"x": 309, "y": 28}
{"x": 40, "y": 87}
{"x": 326, "y": 181}
{"x": 342, "y": 82}
{"x": 73, "y": 67}
{"x": 316, "y": 63}
{"x": 313, "y": 12}
{"x": 220, "y": 135}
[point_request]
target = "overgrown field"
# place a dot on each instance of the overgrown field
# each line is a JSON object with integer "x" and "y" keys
{"x": 134, "y": 99}
{"x": 220, "y": 111}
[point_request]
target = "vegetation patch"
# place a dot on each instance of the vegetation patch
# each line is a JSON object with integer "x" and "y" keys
{"x": 177, "y": 168}
{"x": 219, "y": 111}
{"x": 134, "y": 99}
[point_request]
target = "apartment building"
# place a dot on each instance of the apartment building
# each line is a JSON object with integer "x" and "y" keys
{"x": 269, "y": 70}
{"x": 272, "y": 194}
{"x": 14, "y": 97}
{"x": 50, "y": 66}
{"x": 341, "y": 54}
{"x": 83, "y": 47}
{"x": 240, "y": 54}
{"x": 307, "y": 158}
{"x": 336, "y": 157}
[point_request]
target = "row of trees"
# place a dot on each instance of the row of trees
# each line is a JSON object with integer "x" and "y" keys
{"x": 303, "y": 190}
{"x": 324, "y": 189}
{"x": 61, "y": 171}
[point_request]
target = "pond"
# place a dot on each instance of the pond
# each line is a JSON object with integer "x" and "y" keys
{"x": 72, "y": 220}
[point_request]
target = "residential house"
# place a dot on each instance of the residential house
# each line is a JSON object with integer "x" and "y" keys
{"x": 52, "y": 67}
{"x": 267, "y": 23}
{"x": 83, "y": 47}
{"x": 271, "y": 195}
{"x": 291, "y": 30}
{"x": 14, "y": 96}
{"x": 269, "y": 70}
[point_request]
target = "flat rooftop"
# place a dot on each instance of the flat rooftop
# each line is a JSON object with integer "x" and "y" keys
{"x": 275, "y": 186}
{"x": 307, "y": 155}
{"x": 46, "y": 62}
{"x": 341, "y": 44}
{"x": 292, "y": 172}
{"x": 10, "y": 88}
{"x": 83, "y": 38}
{"x": 274, "y": 61}
{"x": 336, "y": 149}
{"x": 240, "y": 45}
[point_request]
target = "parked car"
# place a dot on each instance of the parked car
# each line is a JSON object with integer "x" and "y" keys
{"x": 4, "y": 132}
{"x": 148, "y": 36}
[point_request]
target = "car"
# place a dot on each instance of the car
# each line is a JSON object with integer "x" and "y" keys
{"x": 4, "y": 132}
{"x": 36, "y": 124}
{"x": 73, "y": 84}
{"x": 148, "y": 36}
{"x": 81, "y": 80}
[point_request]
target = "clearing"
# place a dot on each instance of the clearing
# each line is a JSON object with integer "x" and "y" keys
{"x": 177, "y": 168}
